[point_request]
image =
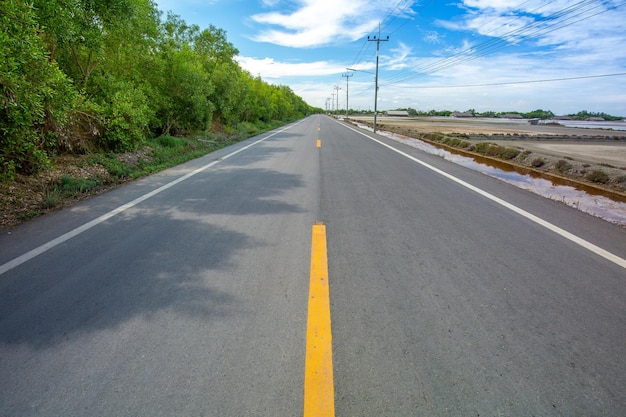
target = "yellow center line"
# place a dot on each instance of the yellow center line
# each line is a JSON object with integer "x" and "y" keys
{"x": 319, "y": 394}
{"x": 319, "y": 143}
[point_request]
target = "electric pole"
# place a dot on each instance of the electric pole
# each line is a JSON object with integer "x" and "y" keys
{"x": 378, "y": 41}
{"x": 347, "y": 75}
{"x": 337, "y": 88}
{"x": 332, "y": 103}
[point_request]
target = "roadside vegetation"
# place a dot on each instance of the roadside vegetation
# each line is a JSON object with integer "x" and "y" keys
{"x": 94, "y": 93}
{"x": 85, "y": 77}
{"x": 72, "y": 177}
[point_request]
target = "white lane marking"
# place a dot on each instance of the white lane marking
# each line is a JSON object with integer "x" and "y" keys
{"x": 80, "y": 229}
{"x": 561, "y": 232}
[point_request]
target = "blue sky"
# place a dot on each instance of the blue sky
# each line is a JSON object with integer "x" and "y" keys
{"x": 487, "y": 55}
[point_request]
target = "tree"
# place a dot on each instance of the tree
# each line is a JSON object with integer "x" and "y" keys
{"x": 34, "y": 94}
{"x": 85, "y": 74}
{"x": 539, "y": 114}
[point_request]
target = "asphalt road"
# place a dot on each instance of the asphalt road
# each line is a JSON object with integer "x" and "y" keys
{"x": 451, "y": 293}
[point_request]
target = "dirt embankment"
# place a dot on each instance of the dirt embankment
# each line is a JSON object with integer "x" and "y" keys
{"x": 594, "y": 158}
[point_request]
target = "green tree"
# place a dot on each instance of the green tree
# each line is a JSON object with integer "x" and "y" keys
{"x": 86, "y": 74}
{"x": 539, "y": 114}
{"x": 34, "y": 94}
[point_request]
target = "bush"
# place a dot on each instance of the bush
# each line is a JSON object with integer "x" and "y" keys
{"x": 490, "y": 149}
{"x": 127, "y": 119}
{"x": 598, "y": 176}
{"x": 563, "y": 166}
{"x": 510, "y": 153}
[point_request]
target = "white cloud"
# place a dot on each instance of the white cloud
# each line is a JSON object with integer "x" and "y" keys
{"x": 472, "y": 89}
{"x": 433, "y": 37}
{"x": 553, "y": 23}
{"x": 400, "y": 57}
{"x": 315, "y": 23}
{"x": 270, "y": 68}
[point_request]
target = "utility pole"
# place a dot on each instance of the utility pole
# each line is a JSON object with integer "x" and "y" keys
{"x": 337, "y": 88}
{"x": 347, "y": 75}
{"x": 332, "y": 103}
{"x": 378, "y": 41}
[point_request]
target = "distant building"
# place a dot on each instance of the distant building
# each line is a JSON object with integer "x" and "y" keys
{"x": 512, "y": 116}
{"x": 562, "y": 118}
{"x": 596, "y": 119}
{"x": 397, "y": 113}
{"x": 461, "y": 114}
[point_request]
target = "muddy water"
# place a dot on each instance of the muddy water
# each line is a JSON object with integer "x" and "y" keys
{"x": 585, "y": 199}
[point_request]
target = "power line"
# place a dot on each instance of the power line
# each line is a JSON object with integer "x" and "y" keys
{"x": 386, "y": 23}
{"x": 365, "y": 45}
{"x": 559, "y": 19}
{"x": 491, "y": 45}
{"x": 617, "y": 74}
{"x": 406, "y": 6}
{"x": 406, "y": 20}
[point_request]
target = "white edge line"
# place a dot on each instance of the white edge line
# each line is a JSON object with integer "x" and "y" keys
{"x": 561, "y": 232}
{"x": 80, "y": 229}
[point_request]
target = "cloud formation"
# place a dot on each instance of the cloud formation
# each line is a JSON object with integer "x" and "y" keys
{"x": 271, "y": 68}
{"x": 315, "y": 23}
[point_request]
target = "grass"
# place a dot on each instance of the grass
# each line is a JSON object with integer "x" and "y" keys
{"x": 155, "y": 155}
{"x": 71, "y": 186}
{"x": 51, "y": 198}
{"x": 158, "y": 154}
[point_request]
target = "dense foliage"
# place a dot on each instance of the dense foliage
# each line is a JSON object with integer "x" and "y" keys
{"x": 78, "y": 75}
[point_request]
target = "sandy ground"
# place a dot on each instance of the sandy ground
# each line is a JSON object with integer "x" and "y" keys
{"x": 600, "y": 146}
{"x": 599, "y": 153}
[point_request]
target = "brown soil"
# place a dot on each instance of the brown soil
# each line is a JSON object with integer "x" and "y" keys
{"x": 34, "y": 195}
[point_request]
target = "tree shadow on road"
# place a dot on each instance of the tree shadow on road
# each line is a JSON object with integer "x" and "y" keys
{"x": 141, "y": 264}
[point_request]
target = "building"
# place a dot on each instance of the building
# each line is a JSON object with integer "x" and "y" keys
{"x": 397, "y": 113}
{"x": 461, "y": 114}
{"x": 512, "y": 116}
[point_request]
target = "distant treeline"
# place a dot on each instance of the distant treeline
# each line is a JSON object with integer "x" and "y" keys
{"x": 86, "y": 75}
{"x": 536, "y": 114}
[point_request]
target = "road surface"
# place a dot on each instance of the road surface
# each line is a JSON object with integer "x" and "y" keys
{"x": 187, "y": 293}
